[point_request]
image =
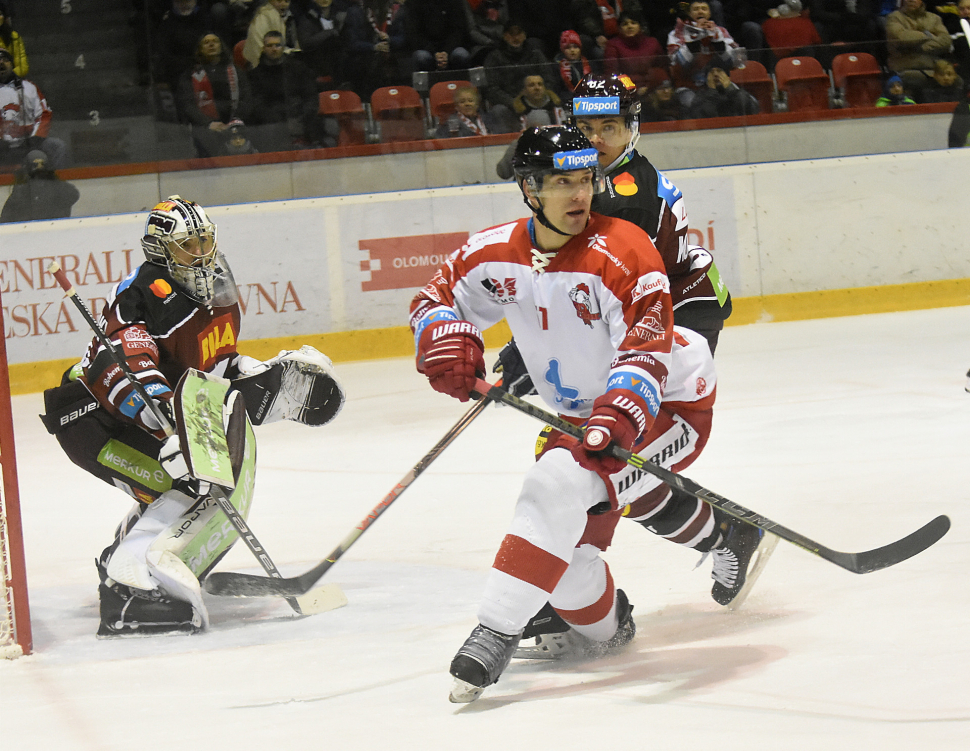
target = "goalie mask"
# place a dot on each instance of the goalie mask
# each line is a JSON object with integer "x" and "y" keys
{"x": 179, "y": 236}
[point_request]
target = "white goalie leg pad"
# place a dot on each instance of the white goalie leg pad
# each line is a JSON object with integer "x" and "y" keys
{"x": 298, "y": 385}
{"x": 128, "y": 564}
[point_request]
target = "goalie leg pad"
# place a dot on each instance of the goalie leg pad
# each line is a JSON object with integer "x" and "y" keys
{"x": 299, "y": 385}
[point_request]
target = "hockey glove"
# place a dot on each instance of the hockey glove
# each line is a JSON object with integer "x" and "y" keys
{"x": 515, "y": 378}
{"x": 451, "y": 354}
{"x": 619, "y": 417}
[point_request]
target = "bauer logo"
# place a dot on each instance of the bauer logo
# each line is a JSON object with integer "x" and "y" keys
{"x": 599, "y": 105}
{"x": 570, "y": 160}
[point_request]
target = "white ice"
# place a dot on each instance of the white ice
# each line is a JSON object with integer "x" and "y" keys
{"x": 852, "y": 431}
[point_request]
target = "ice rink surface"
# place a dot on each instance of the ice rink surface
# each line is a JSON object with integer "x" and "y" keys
{"x": 852, "y": 431}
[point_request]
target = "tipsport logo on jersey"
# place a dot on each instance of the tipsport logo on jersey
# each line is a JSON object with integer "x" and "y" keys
{"x": 570, "y": 160}
{"x": 598, "y": 106}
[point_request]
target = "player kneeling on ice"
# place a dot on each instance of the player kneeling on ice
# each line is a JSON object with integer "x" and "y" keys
{"x": 588, "y": 302}
{"x": 173, "y": 315}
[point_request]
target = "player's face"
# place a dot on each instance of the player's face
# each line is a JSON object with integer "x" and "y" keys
{"x": 609, "y": 136}
{"x": 566, "y": 198}
{"x": 194, "y": 250}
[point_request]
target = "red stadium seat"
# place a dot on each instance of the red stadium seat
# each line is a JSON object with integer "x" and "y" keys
{"x": 754, "y": 79}
{"x": 859, "y": 77}
{"x": 441, "y": 99}
{"x": 805, "y": 83}
{"x": 237, "y": 55}
{"x": 348, "y": 110}
{"x": 399, "y": 113}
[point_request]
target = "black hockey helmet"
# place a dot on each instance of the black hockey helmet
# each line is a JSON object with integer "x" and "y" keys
{"x": 552, "y": 148}
{"x": 549, "y": 149}
{"x": 599, "y": 95}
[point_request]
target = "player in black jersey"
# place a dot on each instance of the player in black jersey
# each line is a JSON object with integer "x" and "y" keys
{"x": 176, "y": 311}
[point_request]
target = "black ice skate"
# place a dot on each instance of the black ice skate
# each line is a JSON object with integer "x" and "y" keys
{"x": 738, "y": 561}
{"x": 479, "y": 663}
{"x": 134, "y": 612}
{"x": 569, "y": 644}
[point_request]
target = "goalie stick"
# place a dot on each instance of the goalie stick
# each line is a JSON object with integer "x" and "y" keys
{"x": 857, "y": 563}
{"x": 301, "y": 607}
{"x": 248, "y": 585}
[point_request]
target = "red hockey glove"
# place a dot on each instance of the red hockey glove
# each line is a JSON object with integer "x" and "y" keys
{"x": 452, "y": 355}
{"x": 619, "y": 417}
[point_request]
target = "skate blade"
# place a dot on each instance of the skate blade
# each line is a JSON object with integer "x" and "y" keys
{"x": 323, "y": 598}
{"x": 547, "y": 647}
{"x": 761, "y": 556}
{"x": 463, "y": 692}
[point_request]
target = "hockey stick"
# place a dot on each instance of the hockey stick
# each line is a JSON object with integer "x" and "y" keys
{"x": 248, "y": 585}
{"x": 857, "y": 563}
{"x": 217, "y": 493}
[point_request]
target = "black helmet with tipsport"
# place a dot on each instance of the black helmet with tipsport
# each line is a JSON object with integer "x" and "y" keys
{"x": 547, "y": 150}
{"x": 612, "y": 95}
{"x": 552, "y": 148}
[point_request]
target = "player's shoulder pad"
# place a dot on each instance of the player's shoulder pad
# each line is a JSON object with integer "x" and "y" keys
{"x": 491, "y": 236}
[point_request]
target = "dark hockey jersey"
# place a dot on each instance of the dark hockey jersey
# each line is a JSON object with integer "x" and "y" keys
{"x": 162, "y": 332}
{"x": 637, "y": 192}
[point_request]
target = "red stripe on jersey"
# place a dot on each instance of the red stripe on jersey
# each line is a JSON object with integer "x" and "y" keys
{"x": 595, "y": 612}
{"x": 522, "y": 560}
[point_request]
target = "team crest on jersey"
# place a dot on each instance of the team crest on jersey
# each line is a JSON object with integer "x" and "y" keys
{"x": 625, "y": 185}
{"x": 502, "y": 292}
{"x": 701, "y": 386}
{"x": 583, "y": 303}
{"x": 651, "y": 326}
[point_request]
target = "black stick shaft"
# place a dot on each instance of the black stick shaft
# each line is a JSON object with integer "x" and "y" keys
{"x": 859, "y": 563}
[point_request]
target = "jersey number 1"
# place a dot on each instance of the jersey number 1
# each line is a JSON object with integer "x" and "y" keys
{"x": 544, "y": 317}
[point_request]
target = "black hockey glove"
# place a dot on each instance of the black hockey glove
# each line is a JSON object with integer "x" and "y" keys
{"x": 515, "y": 378}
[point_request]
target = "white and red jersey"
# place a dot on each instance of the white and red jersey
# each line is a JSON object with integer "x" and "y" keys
{"x": 597, "y": 317}
{"x": 23, "y": 112}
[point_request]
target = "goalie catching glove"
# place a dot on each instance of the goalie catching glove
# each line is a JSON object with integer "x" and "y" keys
{"x": 451, "y": 354}
{"x": 619, "y": 418}
{"x": 298, "y": 385}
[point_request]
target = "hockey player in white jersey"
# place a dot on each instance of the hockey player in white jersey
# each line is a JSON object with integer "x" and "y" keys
{"x": 588, "y": 302}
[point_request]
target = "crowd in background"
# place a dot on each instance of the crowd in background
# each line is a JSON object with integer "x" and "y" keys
{"x": 245, "y": 75}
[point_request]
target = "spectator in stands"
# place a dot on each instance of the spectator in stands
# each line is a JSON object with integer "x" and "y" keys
{"x": 274, "y": 16}
{"x": 213, "y": 95}
{"x": 537, "y": 97}
{"x": 944, "y": 85}
{"x": 633, "y": 52}
{"x": 368, "y": 61}
{"x": 916, "y": 39}
{"x": 238, "y": 18}
{"x": 285, "y": 112}
{"x": 468, "y": 118}
{"x": 957, "y": 23}
{"x": 894, "y": 94}
{"x": 488, "y": 19}
{"x": 38, "y": 193}
{"x": 535, "y": 119}
{"x": 438, "y": 32}
{"x": 318, "y": 30}
{"x": 598, "y": 21}
{"x": 693, "y": 44}
{"x": 573, "y": 67}
{"x": 176, "y": 41}
{"x": 959, "y": 135}
{"x": 237, "y": 141}
{"x": 850, "y": 21}
{"x": 506, "y": 66}
{"x": 660, "y": 104}
{"x": 721, "y": 97}
{"x": 13, "y": 43}
{"x": 25, "y": 119}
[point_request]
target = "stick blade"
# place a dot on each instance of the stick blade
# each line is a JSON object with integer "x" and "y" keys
{"x": 321, "y": 599}
{"x": 231, "y": 584}
{"x": 896, "y": 552}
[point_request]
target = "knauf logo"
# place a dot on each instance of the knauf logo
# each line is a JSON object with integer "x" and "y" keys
{"x": 570, "y": 160}
{"x": 600, "y": 105}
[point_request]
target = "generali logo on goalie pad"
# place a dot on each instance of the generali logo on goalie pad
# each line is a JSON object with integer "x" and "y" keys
{"x": 405, "y": 262}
